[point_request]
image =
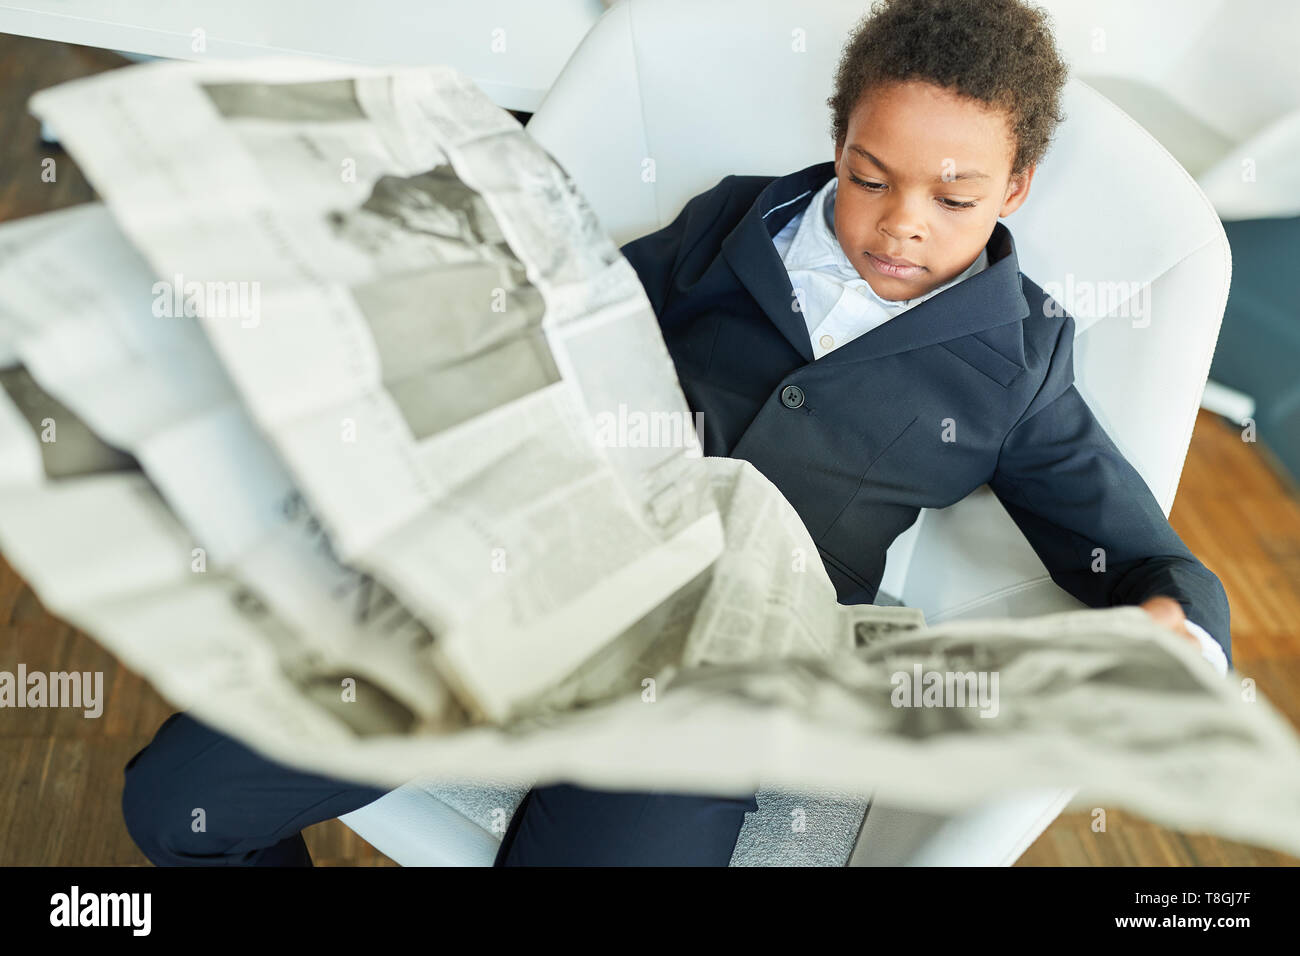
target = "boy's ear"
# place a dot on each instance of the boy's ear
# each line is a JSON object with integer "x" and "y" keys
{"x": 1017, "y": 190}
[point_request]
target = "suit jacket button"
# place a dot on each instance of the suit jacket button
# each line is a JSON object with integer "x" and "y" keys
{"x": 792, "y": 396}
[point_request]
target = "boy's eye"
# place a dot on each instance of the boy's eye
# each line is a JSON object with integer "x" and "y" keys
{"x": 876, "y": 187}
{"x": 863, "y": 182}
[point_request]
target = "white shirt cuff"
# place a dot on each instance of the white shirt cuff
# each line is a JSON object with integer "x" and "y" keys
{"x": 1210, "y": 648}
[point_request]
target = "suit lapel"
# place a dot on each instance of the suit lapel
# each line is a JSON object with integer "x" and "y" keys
{"x": 749, "y": 251}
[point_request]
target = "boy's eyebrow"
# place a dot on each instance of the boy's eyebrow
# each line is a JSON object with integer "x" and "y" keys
{"x": 964, "y": 174}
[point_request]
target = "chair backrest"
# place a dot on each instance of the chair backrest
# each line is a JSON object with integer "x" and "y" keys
{"x": 1214, "y": 80}
{"x": 665, "y": 97}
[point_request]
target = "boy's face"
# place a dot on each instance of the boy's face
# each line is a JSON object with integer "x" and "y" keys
{"x": 937, "y": 173}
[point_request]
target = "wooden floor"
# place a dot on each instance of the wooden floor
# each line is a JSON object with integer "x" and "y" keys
{"x": 61, "y": 775}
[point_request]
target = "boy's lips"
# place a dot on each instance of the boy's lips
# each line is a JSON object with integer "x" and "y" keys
{"x": 893, "y": 267}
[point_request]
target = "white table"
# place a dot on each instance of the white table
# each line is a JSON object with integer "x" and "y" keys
{"x": 513, "y": 49}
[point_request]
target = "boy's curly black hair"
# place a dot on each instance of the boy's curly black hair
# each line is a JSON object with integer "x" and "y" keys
{"x": 1000, "y": 52}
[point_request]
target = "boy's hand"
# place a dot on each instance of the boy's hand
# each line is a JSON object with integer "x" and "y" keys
{"x": 1167, "y": 612}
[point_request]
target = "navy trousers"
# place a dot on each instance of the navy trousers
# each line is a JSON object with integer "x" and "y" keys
{"x": 195, "y": 797}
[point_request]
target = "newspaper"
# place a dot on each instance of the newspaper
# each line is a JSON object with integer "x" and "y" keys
{"x": 447, "y": 451}
{"x": 1104, "y": 700}
{"x": 286, "y": 430}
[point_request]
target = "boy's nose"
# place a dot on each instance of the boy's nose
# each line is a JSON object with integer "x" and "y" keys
{"x": 902, "y": 220}
{"x": 899, "y": 228}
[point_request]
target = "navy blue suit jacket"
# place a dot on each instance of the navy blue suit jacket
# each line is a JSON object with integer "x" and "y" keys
{"x": 865, "y": 450}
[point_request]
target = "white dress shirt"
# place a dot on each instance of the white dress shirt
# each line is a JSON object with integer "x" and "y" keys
{"x": 839, "y": 305}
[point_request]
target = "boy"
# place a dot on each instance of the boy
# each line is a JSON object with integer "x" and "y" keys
{"x": 766, "y": 289}
{"x": 782, "y": 302}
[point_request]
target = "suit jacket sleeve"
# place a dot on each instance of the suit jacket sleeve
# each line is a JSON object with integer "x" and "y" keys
{"x": 1071, "y": 491}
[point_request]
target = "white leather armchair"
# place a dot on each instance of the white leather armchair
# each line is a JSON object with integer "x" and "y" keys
{"x": 665, "y": 97}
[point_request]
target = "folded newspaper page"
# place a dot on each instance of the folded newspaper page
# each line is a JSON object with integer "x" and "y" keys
{"x": 352, "y": 432}
{"x": 426, "y": 320}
